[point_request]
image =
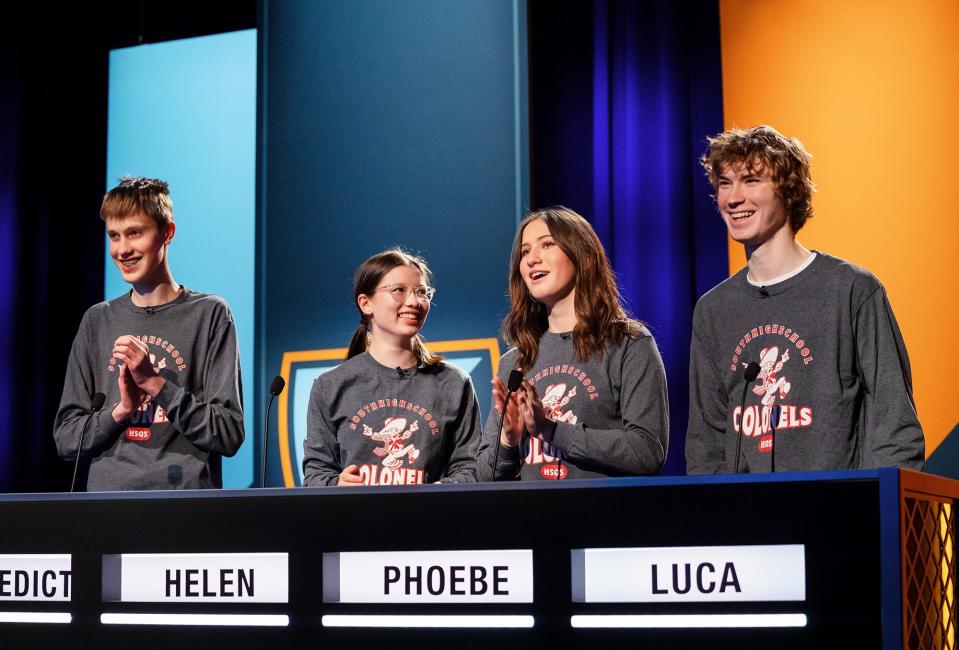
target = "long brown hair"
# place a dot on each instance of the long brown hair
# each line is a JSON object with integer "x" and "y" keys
{"x": 600, "y": 316}
{"x": 365, "y": 280}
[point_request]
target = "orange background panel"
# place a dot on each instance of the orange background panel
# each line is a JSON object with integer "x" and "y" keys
{"x": 872, "y": 91}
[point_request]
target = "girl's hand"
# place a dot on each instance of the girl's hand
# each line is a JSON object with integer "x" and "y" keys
{"x": 350, "y": 477}
{"x": 533, "y": 414}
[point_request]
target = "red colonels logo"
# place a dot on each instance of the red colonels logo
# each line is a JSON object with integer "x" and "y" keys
{"x": 548, "y": 457}
{"x": 395, "y": 451}
{"x": 164, "y": 356}
{"x": 572, "y": 372}
{"x": 412, "y": 408}
{"x": 394, "y": 435}
{"x": 555, "y": 399}
{"x": 772, "y": 385}
{"x": 563, "y": 383}
{"x": 769, "y": 366}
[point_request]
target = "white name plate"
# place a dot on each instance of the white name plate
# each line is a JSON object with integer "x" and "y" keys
{"x": 429, "y": 577}
{"x": 196, "y": 578}
{"x": 689, "y": 574}
{"x": 35, "y": 577}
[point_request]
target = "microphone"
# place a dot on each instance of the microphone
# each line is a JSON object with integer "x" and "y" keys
{"x": 96, "y": 404}
{"x": 773, "y": 421}
{"x": 763, "y": 292}
{"x": 276, "y": 387}
{"x": 512, "y": 385}
{"x": 750, "y": 374}
{"x": 565, "y": 336}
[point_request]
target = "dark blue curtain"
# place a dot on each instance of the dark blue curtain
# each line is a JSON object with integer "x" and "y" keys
{"x": 623, "y": 95}
{"x": 9, "y": 119}
{"x": 53, "y": 125}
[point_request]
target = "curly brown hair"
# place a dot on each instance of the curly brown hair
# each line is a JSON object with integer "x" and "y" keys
{"x": 764, "y": 148}
{"x": 600, "y": 316}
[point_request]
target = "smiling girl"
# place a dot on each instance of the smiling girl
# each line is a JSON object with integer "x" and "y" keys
{"x": 393, "y": 413}
{"x": 593, "y": 399}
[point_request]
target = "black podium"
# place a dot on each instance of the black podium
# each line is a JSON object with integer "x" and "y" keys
{"x": 863, "y": 559}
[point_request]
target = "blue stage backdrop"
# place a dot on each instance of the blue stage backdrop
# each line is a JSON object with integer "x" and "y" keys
{"x": 185, "y": 111}
{"x": 384, "y": 123}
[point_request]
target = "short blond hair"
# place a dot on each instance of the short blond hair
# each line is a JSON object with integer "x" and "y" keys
{"x": 135, "y": 195}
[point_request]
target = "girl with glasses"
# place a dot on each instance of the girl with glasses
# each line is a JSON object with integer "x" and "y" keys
{"x": 393, "y": 413}
{"x": 592, "y": 401}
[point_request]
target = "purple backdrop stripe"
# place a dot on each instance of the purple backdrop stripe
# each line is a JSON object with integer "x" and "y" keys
{"x": 602, "y": 211}
{"x": 662, "y": 66}
{"x": 9, "y": 129}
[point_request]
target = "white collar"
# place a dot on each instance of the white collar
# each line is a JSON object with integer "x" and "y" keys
{"x": 796, "y": 271}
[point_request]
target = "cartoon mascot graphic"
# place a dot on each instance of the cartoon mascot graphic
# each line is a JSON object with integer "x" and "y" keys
{"x": 392, "y": 435}
{"x": 554, "y": 399}
{"x": 157, "y": 366}
{"x": 769, "y": 367}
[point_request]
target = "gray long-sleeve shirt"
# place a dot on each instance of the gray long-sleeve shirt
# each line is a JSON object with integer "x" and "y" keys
{"x": 611, "y": 413}
{"x": 175, "y": 440}
{"x": 399, "y": 426}
{"x": 833, "y": 365}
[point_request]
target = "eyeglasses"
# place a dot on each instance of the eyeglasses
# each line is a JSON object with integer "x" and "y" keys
{"x": 399, "y": 292}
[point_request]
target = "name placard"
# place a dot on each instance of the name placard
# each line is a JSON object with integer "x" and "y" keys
{"x": 196, "y": 578}
{"x": 689, "y": 574}
{"x": 500, "y": 576}
{"x": 35, "y": 577}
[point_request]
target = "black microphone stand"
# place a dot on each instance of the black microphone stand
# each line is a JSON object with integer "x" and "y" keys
{"x": 749, "y": 375}
{"x": 515, "y": 379}
{"x": 276, "y": 387}
{"x": 773, "y": 421}
{"x": 96, "y": 404}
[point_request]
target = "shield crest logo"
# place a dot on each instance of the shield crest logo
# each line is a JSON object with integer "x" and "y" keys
{"x": 478, "y": 357}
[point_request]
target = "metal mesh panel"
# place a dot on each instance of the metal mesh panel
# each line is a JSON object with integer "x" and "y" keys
{"x": 929, "y": 574}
